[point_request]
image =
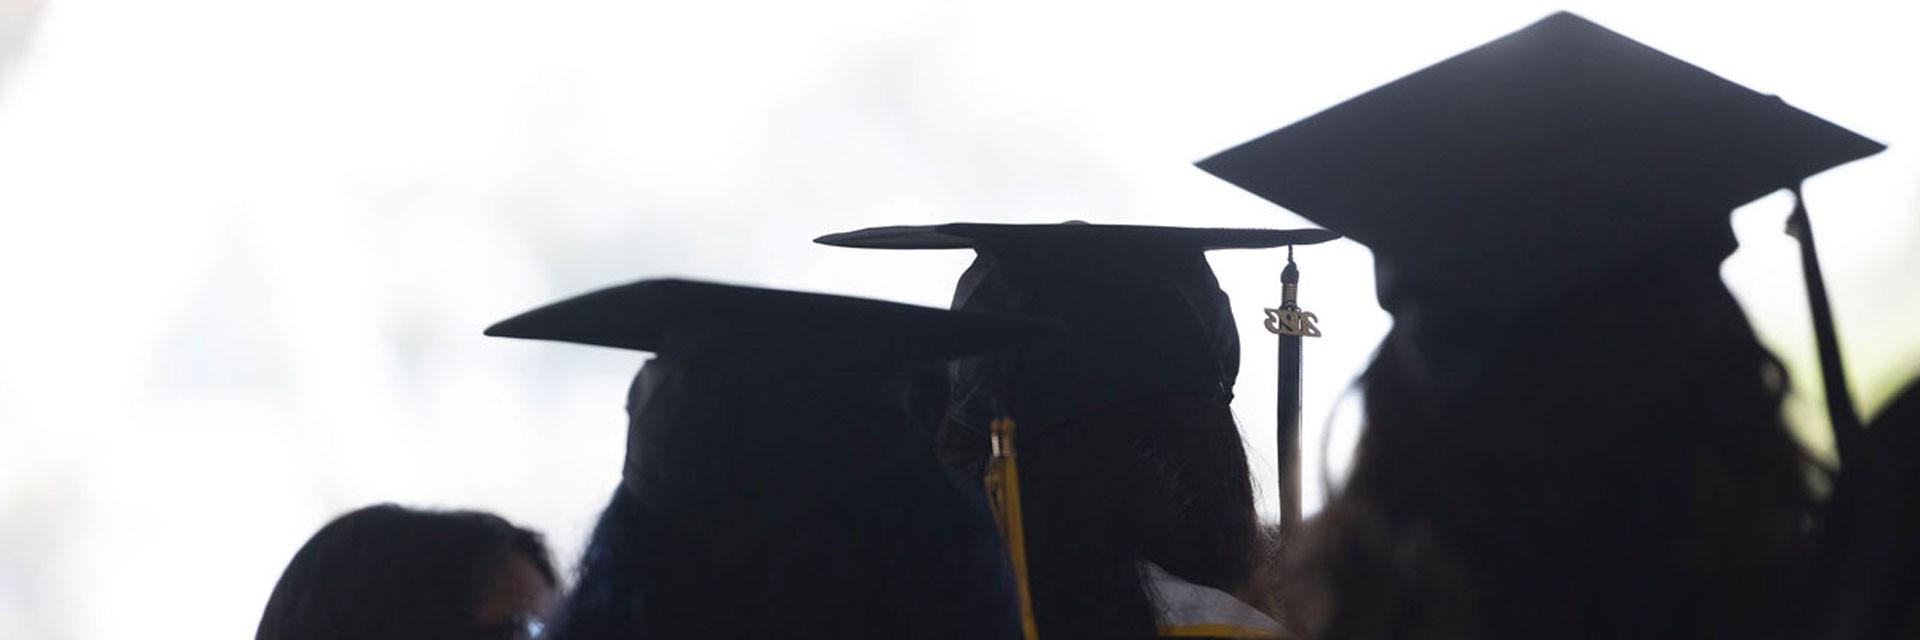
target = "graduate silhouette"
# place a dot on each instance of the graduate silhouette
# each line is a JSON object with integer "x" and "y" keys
{"x": 1571, "y": 430}
{"x": 780, "y": 478}
{"x": 1138, "y": 500}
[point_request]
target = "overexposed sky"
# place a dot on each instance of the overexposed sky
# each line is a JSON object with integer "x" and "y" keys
{"x": 247, "y": 248}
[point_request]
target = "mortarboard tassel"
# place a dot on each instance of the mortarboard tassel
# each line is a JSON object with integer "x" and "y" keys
{"x": 1846, "y": 421}
{"x": 1003, "y": 497}
{"x": 1290, "y": 323}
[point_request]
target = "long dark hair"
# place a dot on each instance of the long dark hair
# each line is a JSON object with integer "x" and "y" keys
{"x": 388, "y": 572}
{"x": 1161, "y": 479}
{"x": 1617, "y": 475}
{"x": 903, "y": 557}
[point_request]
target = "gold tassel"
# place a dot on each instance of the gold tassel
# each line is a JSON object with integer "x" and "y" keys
{"x": 1003, "y": 496}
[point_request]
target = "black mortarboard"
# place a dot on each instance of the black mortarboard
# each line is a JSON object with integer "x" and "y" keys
{"x": 1564, "y": 147}
{"x": 759, "y": 401}
{"x": 1142, "y": 310}
{"x": 1535, "y": 167}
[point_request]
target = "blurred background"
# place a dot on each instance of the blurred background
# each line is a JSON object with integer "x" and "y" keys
{"x": 247, "y": 247}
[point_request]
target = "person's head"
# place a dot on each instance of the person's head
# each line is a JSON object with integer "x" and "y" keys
{"x": 859, "y": 540}
{"x": 388, "y": 572}
{"x": 1623, "y": 472}
{"x": 907, "y": 557}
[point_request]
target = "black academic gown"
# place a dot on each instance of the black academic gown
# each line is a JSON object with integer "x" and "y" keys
{"x": 1867, "y": 583}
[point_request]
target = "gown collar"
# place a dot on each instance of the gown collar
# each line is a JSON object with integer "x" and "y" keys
{"x": 1186, "y": 610}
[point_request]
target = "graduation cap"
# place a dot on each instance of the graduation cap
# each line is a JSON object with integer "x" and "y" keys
{"x": 759, "y": 402}
{"x": 1533, "y": 169}
{"x": 1143, "y": 312}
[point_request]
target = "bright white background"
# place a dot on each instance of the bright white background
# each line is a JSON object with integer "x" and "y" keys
{"x": 247, "y": 248}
